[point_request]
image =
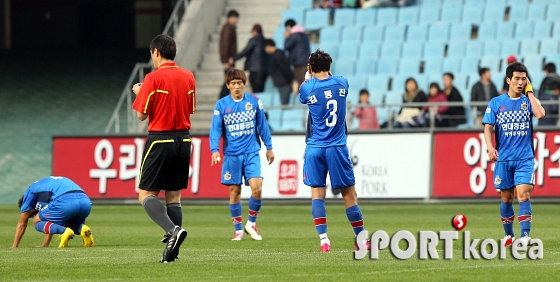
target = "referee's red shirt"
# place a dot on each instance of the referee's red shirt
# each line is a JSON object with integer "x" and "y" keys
{"x": 167, "y": 95}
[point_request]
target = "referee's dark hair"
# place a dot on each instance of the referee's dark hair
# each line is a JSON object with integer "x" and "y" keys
{"x": 320, "y": 61}
{"x": 165, "y": 45}
{"x": 515, "y": 67}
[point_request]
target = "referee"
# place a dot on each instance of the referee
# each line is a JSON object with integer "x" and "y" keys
{"x": 167, "y": 97}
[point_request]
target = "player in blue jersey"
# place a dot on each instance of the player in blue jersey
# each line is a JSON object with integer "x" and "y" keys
{"x": 326, "y": 150}
{"x": 59, "y": 206}
{"x": 240, "y": 118}
{"x": 511, "y": 116}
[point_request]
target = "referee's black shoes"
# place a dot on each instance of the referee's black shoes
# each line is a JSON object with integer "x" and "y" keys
{"x": 175, "y": 239}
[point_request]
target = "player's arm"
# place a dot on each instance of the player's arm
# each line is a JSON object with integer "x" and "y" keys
{"x": 142, "y": 104}
{"x": 21, "y": 226}
{"x": 216, "y": 134}
{"x": 46, "y": 240}
{"x": 492, "y": 152}
{"x": 264, "y": 132}
{"x": 538, "y": 109}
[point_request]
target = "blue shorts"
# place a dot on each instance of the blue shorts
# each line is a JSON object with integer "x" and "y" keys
{"x": 70, "y": 209}
{"x": 333, "y": 160}
{"x": 237, "y": 166}
{"x": 508, "y": 174}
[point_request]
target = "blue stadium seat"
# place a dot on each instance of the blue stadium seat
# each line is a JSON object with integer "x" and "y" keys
{"x": 393, "y": 97}
{"x": 378, "y": 83}
{"x": 542, "y": 30}
{"x": 293, "y": 119}
{"x": 474, "y": 49}
{"x": 472, "y": 14}
{"x": 313, "y": 47}
{"x": 436, "y": 77}
{"x": 556, "y": 30}
{"x": 524, "y": 30}
{"x": 456, "y": 48}
{"x": 492, "y": 48}
{"x": 352, "y": 34}
{"x": 533, "y": 62}
{"x": 432, "y": 3}
{"x": 294, "y": 14}
{"x": 390, "y": 50}
{"x": 494, "y": 13}
{"x": 330, "y": 34}
{"x": 487, "y": 31}
{"x": 473, "y": 78}
{"x": 553, "y": 59}
{"x": 344, "y": 67}
{"x": 432, "y": 65}
{"x": 451, "y": 65}
{"x": 373, "y": 34}
{"x": 409, "y": 66}
{"x": 303, "y": 4}
{"x": 537, "y": 12}
{"x": 460, "y": 32}
{"x": 491, "y": 62}
{"x": 348, "y": 51}
{"x": 366, "y": 66}
{"x": 537, "y": 77}
{"x": 387, "y": 66}
{"x": 355, "y": 84}
{"x": 417, "y": 33}
{"x": 451, "y": 14}
{"x": 505, "y": 30}
{"x": 408, "y": 15}
{"x": 552, "y": 12}
{"x": 266, "y": 98}
{"x": 549, "y": 46}
{"x": 316, "y": 19}
{"x": 269, "y": 85}
{"x": 541, "y": 1}
{"x": 510, "y": 47}
{"x": 434, "y": 49}
{"x": 497, "y": 78}
{"x": 460, "y": 80}
{"x": 452, "y": 2}
{"x": 469, "y": 65}
{"x": 475, "y": 2}
{"x": 344, "y": 17}
{"x": 422, "y": 80}
{"x": 395, "y": 33}
{"x": 429, "y": 14}
{"x": 398, "y": 85}
{"x": 279, "y": 37}
{"x": 529, "y": 47}
{"x": 412, "y": 50}
{"x": 369, "y": 50}
{"x": 331, "y": 48}
{"x": 366, "y": 17}
{"x": 387, "y": 16}
{"x": 438, "y": 32}
{"x": 518, "y": 12}
{"x": 275, "y": 118}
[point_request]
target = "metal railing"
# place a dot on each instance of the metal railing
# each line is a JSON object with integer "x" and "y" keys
{"x": 140, "y": 70}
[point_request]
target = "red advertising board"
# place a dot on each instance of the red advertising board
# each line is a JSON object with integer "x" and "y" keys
{"x": 107, "y": 167}
{"x": 462, "y": 169}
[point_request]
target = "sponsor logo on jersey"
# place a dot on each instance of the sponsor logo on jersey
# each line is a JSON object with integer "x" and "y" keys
{"x": 228, "y": 110}
{"x": 248, "y": 106}
{"x": 524, "y": 106}
{"x": 502, "y": 108}
{"x": 488, "y": 110}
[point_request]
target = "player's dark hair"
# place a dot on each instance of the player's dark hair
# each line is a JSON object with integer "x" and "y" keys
{"x": 20, "y": 202}
{"x": 165, "y": 45}
{"x": 233, "y": 14}
{"x": 235, "y": 74}
{"x": 515, "y": 67}
{"x": 550, "y": 67}
{"x": 269, "y": 42}
{"x": 482, "y": 71}
{"x": 450, "y": 75}
{"x": 320, "y": 61}
{"x": 436, "y": 85}
{"x": 290, "y": 23}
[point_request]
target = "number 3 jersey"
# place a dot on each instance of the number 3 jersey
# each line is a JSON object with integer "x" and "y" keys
{"x": 512, "y": 118}
{"x": 326, "y": 99}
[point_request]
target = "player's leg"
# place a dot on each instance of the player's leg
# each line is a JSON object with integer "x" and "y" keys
{"x": 51, "y": 219}
{"x": 524, "y": 181}
{"x": 503, "y": 181}
{"x": 315, "y": 176}
{"x": 77, "y": 223}
{"x": 232, "y": 177}
{"x": 252, "y": 172}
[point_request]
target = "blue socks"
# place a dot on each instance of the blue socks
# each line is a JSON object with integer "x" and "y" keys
{"x": 48, "y": 227}
{"x": 319, "y": 213}
{"x": 508, "y": 215}
{"x": 355, "y": 217}
{"x": 525, "y": 217}
{"x": 254, "y": 208}
{"x": 236, "y": 218}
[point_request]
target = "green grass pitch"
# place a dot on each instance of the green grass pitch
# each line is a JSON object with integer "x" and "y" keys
{"x": 127, "y": 247}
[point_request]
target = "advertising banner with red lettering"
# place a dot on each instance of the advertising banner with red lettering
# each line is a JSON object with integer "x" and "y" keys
{"x": 462, "y": 168}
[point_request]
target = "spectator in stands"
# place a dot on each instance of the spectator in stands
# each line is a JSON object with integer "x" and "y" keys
{"x": 483, "y": 91}
{"x": 228, "y": 46}
{"x": 435, "y": 95}
{"x": 550, "y": 75}
{"x": 456, "y": 114}
{"x": 280, "y": 71}
{"x": 331, "y": 4}
{"x": 366, "y": 4}
{"x": 552, "y": 94}
{"x": 409, "y": 115}
{"x": 505, "y": 88}
{"x": 366, "y": 113}
{"x": 297, "y": 45}
{"x": 256, "y": 59}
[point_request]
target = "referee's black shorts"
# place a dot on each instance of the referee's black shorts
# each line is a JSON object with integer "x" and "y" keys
{"x": 166, "y": 161}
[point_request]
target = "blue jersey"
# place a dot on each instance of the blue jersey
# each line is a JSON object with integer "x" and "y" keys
{"x": 513, "y": 127}
{"x": 42, "y": 192}
{"x": 326, "y": 99}
{"x": 242, "y": 123}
